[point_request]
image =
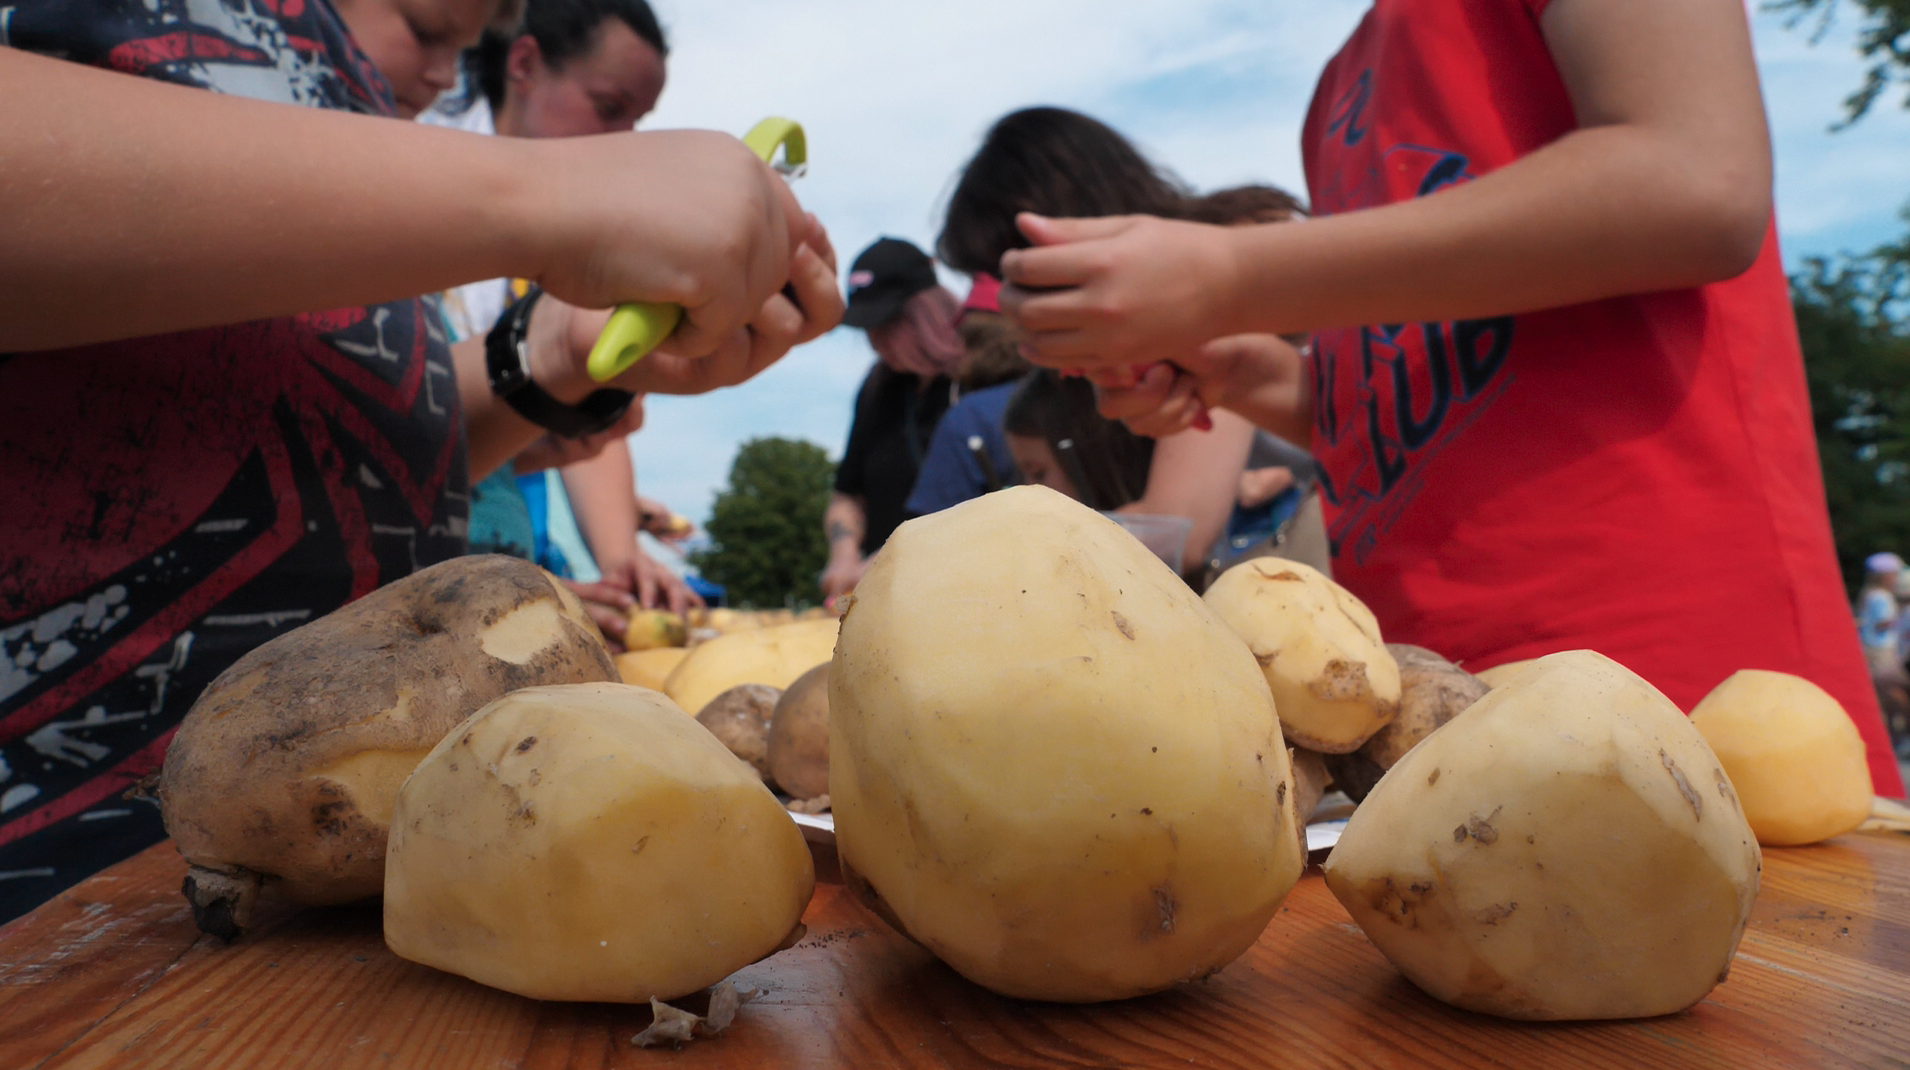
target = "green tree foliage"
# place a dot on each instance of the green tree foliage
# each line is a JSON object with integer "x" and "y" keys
{"x": 767, "y": 546}
{"x": 1854, "y": 320}
{"x": 1883, "y": 38}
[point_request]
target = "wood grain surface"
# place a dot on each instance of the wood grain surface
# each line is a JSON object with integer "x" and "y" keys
{"x": 113, "y": 974}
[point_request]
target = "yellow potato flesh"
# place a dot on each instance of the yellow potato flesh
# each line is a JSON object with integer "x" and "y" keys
{"x": 1066, "y": 779}
{"x": 1793, "y": 755}
{"x": 774, "y": 655}
{"x": 1333, "y": 680}
{"x": 590, "y": 842}
{"x": 1566, "y": 848}
{"x": 649, "y": 668}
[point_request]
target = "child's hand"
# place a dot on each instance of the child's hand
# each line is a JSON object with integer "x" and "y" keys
{"x": 1259, "y": 376}
{"x": 687, "y": 217}
{"x": 1128, "y": 290}
{"x": 561, "y": 336}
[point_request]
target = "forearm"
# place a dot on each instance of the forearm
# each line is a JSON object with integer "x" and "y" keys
{"x": 603, "y": 498}
{"x": 494, "y": 432}
{"x": 1195, "y": 474}
{"x": 116, "y": 214}
{"x": 843, "y": 523}
{"x": 1665, "y": 184}
{"x": 1541, "y": 233}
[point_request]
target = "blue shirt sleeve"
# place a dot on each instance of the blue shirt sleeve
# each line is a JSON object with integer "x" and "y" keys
{"x": 950, "y": 473}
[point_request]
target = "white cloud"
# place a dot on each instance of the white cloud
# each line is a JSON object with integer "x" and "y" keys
{"x": 895, "y": 96}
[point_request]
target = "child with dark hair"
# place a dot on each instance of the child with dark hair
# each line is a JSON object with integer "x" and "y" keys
{"x": 1063, "y": 163}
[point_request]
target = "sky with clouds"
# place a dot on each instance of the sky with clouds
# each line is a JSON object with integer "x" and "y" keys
{"x": 895, "y": 96}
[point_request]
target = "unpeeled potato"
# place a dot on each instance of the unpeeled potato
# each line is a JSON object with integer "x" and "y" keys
{"x": 284, "y": 772}
{"x": 1432, "y": 691}
{"x": 799, "y": 736}
{"x": 739, "y": 718}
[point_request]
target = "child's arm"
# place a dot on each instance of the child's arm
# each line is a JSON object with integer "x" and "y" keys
{"x": 1666, "y": 184}
{"x": 1194, "y": 474}
{"x": 139, "y": 207}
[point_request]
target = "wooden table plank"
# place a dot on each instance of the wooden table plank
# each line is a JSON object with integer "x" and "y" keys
{"x": 112, "y": 974}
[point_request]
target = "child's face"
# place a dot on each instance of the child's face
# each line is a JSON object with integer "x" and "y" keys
{"x": 1037, "y": 463}
{"x": 415, "y": 43}
{"x": 602, "y": 91}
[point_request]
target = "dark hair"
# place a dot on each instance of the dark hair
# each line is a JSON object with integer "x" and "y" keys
{"x": 1107, "y": 463}
{"x": 990, "y": 351}
{"x": 1052, "y": 161}
{"x": 563, "y": 30}
{"x": 1240, "y": 205}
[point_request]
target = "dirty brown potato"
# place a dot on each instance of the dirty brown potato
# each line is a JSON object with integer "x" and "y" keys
{"x": 1309, "y": 787}
{"x": 284, "y": 773}
{"x": 740, "y": 718}
{"x": 799, "y": 736}
{"x": 1432, "y": 692}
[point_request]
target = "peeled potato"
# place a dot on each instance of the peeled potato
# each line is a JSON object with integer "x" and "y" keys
{"x": 1333, "y": 680}
{"x": 591, "y": 842}
{"x": 1566, "y": 848}
{"x": 1500, "y": 675}
{"x": 649, "y": 668}
{"x": 1051, "y": 764}
{"x": 774, "y": 654}
{"x": 649, "y": 629}
{"x": 1792, "y": 753}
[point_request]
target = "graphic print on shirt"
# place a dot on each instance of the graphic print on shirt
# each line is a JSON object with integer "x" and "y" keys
{"x": 175, "y": 501}
{"x": 1393, "y": 396}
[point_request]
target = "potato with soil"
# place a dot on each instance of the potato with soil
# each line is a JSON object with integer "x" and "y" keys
{"x": 591, "y": 842}
{"x": 1432, "y": 691}
{"x": 285, "y": 770}
{"x": 1792, "y": 753}
{"x": 799, "y": 736}
{"x": 1332, "y": 679}
{"x": 1567, "y": 848}
{"x": 773, "y": 654}
{"x": 1051, "y": 764}
{"x": 739, "y": 719}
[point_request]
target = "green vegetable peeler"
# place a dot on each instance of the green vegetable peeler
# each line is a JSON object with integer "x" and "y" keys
{"x": 636, "y": 328}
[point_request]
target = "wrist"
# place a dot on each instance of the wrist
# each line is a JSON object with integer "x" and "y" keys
{"x": 552, "y": 364}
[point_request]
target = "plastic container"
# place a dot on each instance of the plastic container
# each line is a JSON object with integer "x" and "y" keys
{"x": 1163, "y": 534}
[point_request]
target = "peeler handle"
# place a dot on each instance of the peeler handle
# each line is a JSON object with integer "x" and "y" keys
{"x": 639, "y": 326}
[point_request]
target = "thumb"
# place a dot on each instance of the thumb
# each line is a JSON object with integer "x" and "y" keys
{"x": 1041, "y": 230}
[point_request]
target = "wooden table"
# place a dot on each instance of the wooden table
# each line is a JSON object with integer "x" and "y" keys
{"x": 112, "y": 974}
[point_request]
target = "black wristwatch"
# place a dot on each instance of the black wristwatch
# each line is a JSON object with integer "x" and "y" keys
{"x": 509, "y": 369}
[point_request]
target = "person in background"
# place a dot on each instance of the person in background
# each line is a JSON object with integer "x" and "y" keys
{"x": 1555, "y": 389}
{"x": 968, "y": 455}
{"x": 572, "y": 68}
{"x": 896, "y": 297}
{"x": 1065, "y": 163}
{"x": 271, "y": 423}
{"x": 1881, "y": 624}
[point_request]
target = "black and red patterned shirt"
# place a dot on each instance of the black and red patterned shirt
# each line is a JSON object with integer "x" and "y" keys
{"x": 169, "y": 503}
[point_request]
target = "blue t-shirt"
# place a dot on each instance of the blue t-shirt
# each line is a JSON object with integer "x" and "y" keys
{"x": 951, "y": 472}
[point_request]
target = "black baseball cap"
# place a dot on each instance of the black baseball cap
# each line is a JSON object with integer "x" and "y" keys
{"x": 883, "y": 278}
